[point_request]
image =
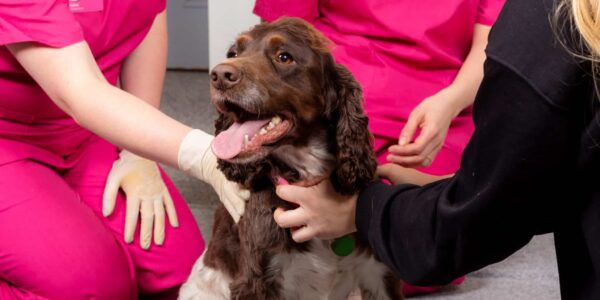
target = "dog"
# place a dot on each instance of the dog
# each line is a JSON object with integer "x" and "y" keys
{"x": 286, "y": 110}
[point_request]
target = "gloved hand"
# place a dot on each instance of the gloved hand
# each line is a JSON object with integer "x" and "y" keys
{"x": 196, "y": 158}
{"x": 146, "y": 195}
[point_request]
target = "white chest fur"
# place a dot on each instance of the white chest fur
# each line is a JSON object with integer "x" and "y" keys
{"x": 313, "y": 275}
{"x": 320, "y": 274}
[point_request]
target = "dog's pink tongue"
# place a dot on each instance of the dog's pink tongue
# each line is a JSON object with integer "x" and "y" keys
{"x": 229, "y": 143}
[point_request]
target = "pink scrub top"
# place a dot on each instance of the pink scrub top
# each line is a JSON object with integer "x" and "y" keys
{"x": 31, "y": 125}
{"x": 400, "y": 51}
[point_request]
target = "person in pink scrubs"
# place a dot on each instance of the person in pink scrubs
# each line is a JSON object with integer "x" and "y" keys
{"x": 66, "y": 232}
{"x": 420, "y": 64}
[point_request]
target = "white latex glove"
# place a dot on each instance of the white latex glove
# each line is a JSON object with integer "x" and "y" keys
{"x": 196, "y": 158}
{"x": 146, "y": 195}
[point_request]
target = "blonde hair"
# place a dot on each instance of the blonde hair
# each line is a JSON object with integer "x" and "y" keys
{"x": 584, "y": 16}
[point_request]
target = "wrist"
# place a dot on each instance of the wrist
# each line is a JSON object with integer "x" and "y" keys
{"x": 194, "y": 154}
{"x": 130, "y": 156}
{"x": 457, "y": 98}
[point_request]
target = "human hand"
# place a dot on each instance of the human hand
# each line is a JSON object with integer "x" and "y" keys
{"x": 400, "y": 175}
{"x": 146, "y": 194}
{"x": 321, "y": 212}
{"x": 197, "y": 159}
{"x": 433, "y": 116}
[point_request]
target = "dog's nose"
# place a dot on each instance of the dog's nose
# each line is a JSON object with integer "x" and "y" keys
{"x": 224, "y": 76}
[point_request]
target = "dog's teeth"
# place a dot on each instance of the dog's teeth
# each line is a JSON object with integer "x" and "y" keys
{"x": 262, "y": 131}
{"x": 276, "y": 120}
{"x": 246, "y": 140}
{"x": 271, "y": 125}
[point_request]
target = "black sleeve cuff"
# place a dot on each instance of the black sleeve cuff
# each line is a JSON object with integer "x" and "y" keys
{"x": 365, "y": 206}
{"x": 370, "y": 208}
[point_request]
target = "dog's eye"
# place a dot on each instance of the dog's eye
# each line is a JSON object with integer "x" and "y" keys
{"x": 285, "y": 58}
{"x": 231, "y": 54}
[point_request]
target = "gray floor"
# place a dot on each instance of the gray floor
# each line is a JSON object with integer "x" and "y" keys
{"x": 529, "y": 274}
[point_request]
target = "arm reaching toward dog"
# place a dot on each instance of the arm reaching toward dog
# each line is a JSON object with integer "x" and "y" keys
{"x": 68, "y": 74}
{"x": 326, "y": 214}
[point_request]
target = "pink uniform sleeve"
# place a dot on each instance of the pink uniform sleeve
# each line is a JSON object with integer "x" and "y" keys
{"x": 49, "y": 22}
{"x": 488, "y": 11}
{"x": 270, "y": 10}
{"x": 162, "y": 5}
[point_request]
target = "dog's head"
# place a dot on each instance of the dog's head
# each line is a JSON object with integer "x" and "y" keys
{"x": 286, "y": 107}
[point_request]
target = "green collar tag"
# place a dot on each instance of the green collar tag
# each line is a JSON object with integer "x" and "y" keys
{"x": 343, "y": 246}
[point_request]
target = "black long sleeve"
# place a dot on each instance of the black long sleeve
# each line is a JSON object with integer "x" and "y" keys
{"x": 492, "y": 207}
{"x": 514, "y": 171}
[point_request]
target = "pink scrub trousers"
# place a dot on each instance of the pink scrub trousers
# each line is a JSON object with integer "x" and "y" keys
{"x": 55, "y": 243}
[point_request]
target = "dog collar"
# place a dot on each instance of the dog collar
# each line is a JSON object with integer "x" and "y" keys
{"x": 343, "y": 246}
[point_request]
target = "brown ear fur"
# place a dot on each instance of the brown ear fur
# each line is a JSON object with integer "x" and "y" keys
{"x": 356, "y": 161}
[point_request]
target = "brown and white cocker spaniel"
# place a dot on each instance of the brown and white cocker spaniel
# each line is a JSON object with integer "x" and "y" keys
{"x": 286, "y": 109}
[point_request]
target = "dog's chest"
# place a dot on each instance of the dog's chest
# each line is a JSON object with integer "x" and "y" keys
{"x": 320, "y": 274}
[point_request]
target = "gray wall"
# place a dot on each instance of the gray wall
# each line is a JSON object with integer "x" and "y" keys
{"x": 188, "y": 34}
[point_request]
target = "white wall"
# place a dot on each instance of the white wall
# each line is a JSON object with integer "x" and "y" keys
{"x": 226, "y": 19}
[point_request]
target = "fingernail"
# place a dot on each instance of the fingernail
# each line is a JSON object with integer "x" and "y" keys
{"x": 427, "y": 162}
{"x": 244, "y": 194}
{"x": 403, "y": 141}
{"x": 282, "y": 181}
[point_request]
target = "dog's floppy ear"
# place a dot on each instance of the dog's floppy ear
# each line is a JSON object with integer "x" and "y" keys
{"x": 355, "y": 158}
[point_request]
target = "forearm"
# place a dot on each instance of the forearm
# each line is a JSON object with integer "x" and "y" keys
{"x": 463, "y": 89}
{"x": 74, "y": 82}
{"x": 129, "y": 123}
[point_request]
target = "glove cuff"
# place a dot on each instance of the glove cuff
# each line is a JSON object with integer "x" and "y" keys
{"x": 192, "y": 150}
{"x": 129, "y": 156}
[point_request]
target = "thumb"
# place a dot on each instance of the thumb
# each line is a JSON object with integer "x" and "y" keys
{"x": 290, "y": 193}
{"x": 109, "y": 198}
{"x": 409, "y": 129}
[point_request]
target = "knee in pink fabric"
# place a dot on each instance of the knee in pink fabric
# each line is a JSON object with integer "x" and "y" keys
{"x": 105, "y": 275}
{"x": 53, "y": 245}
